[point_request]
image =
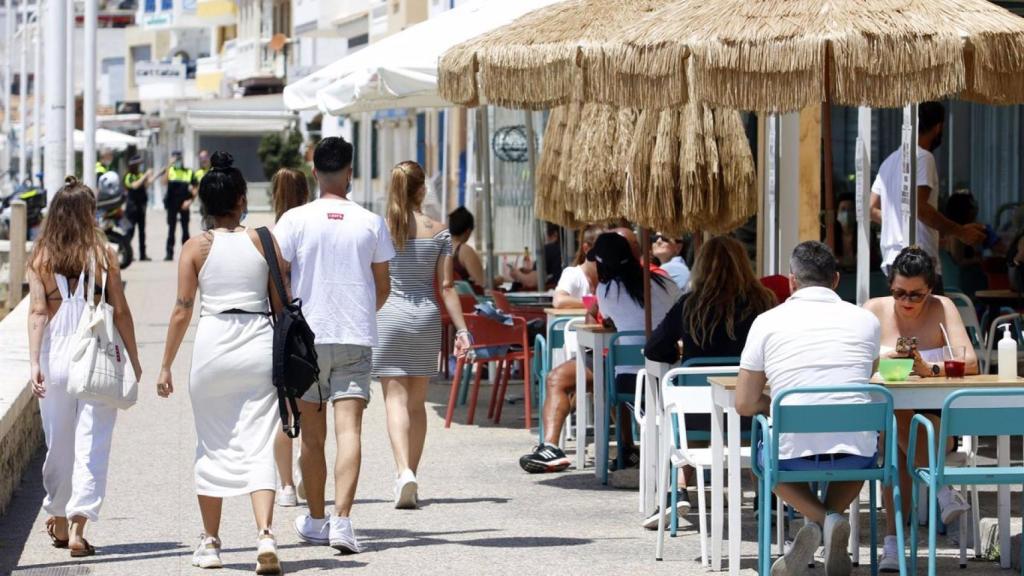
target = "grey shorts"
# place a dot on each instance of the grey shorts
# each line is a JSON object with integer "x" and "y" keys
{"x": 344, "y": 373}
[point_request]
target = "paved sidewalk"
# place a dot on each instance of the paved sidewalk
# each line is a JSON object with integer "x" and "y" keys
{"x": 481, "y": 514}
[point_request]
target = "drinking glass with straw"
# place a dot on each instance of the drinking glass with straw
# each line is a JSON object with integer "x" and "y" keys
{"x": 954, "y": 359}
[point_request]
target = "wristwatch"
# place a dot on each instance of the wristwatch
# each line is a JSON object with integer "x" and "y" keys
{"x": 936, "y": 370}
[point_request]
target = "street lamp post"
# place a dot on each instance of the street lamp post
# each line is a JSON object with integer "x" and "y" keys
{"x": 89, "y": 96}
{"x": 55, "y": 76}
{"x": 23, "y": 96}
{"x": 69, "y": 90}
{"x": 5, "y": 161}
{"x": 37, "y": 95}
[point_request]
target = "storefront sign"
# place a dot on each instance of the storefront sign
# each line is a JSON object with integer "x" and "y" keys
{"x": 159, "y": 72}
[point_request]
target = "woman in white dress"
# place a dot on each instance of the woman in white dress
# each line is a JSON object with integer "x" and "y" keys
{"x": 78, "y": 432}
{"x": 234, "y": 401}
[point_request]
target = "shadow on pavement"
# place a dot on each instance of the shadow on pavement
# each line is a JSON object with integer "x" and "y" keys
{"x": 298, "y": 565}
{"x": 17, "y": 522}
{"x": 577, "y": 481}
{"x": 428, "y": 502}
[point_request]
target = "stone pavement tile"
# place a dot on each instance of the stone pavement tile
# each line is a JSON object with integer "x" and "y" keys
{"x": 480, "y": 515}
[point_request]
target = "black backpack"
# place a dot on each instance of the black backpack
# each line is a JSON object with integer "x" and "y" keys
{"x": 295, "y": 362}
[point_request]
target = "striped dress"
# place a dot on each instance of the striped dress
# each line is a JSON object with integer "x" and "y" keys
{"x": 409, "y": 324}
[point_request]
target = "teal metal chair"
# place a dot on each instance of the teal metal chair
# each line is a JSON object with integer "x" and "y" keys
{"x": 967, "y": 420}
{"x": 876, "y": 416}
{"x": 539, "y": 373}
{"x": 694, "y": 379}
{"x": 619, "y": 354}
{"x": 555, "y": 339}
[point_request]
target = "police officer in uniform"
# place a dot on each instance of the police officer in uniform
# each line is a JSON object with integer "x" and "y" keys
{"x": 137, "y": 184}
{"x": 180, "y": 185}
{"x": 204, "y": 166}
{"x": 105, "y": 163}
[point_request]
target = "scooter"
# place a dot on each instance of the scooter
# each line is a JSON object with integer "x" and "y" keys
{"x": 35, "y": 204}
{"x": 111, "y": 217}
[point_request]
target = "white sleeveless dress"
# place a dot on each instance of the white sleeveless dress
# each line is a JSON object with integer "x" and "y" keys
{"x": 234, "y": 401}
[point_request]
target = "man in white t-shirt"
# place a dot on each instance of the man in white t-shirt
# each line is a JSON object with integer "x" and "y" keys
{"x": 813, "y": 339}
{"x": 339, "y": 253}
{"x": 887, "y": 197}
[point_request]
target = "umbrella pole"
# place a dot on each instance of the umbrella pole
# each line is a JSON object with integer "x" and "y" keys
{"x": 645, "y": 241}
{"x": 826, "y": 124}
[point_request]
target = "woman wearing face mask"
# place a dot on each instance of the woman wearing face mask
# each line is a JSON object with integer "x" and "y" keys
{"x": 913, "y": 311}
{"x": 846, "y": 243}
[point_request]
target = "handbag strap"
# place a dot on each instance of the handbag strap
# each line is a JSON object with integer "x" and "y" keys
{"x": 270, "y": 255}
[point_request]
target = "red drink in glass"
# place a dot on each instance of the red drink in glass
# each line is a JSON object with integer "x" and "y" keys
{"x": 954, "y": 368}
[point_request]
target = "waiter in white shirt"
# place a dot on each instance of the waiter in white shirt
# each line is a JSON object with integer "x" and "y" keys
{"x": 886, "y": 201}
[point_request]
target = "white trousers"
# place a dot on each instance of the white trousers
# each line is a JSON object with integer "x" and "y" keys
{"x": 78, "y": 436}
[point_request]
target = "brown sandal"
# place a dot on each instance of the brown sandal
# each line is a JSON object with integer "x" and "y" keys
{"x": 51, "y": 531}
{"x": 83, "y": 552}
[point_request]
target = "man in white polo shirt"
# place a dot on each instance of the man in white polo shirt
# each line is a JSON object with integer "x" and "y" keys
{"x": 813, "y": 339}
{"x": 339, "y": 253}
{"x": 887, "y": 197}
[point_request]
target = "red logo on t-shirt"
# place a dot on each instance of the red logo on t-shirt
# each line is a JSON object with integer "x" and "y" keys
{"x": 335, "y": 216}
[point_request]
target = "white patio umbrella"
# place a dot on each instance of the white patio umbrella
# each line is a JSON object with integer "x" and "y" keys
{"x": 111, "y": 139}
{"x": 400, "y": 71}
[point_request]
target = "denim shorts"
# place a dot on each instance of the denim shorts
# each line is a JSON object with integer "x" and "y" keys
{"x": 344, "y": 373}
{"x": 823, "y": 462}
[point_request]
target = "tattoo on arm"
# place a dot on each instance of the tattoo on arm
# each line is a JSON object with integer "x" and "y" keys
{"x": 184, "y": 302}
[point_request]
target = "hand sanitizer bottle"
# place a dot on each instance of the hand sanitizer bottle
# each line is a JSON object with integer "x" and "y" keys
{"x": 1007, "y": 355}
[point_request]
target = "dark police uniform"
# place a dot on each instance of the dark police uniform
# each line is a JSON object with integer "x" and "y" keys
{"x": 136, "y": 208}
{"x": 179, "y": 190}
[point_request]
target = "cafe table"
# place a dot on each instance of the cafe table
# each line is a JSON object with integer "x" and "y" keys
{"x": 650, "y": 437}
{"x": 554, "y": 314}
{"x": 530, "y": 298}
{"x": 591, "y": 337}
{"x": 913, "y": 394}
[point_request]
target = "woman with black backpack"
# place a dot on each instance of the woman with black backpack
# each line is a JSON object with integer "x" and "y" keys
{"x": 234, "y": 401}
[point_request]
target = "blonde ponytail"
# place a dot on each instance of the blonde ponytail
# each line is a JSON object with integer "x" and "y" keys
{"x": 406, "y": 180}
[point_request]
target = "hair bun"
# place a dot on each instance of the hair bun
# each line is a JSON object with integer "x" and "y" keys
{"x": 70, "y": 180}
{"x": 222, "y": 160}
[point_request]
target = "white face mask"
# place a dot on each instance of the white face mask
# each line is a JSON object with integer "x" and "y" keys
{"x": 845, "y": 218}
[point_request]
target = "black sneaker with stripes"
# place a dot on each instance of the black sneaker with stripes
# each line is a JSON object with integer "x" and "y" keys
{"x": 545, "y": 458}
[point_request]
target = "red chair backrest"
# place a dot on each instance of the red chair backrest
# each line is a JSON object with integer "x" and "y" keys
{"x": 501, "y": 301}
{"x": 487, "y": 332}
{"x": 779, "y": 285}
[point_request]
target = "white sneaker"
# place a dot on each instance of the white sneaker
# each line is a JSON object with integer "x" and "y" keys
{"x": 207, "y": 554}
{"x": 406, "y": 497}
{"x": 286, "y": 497}
{"x": 682, "y": 509}
{"x": 837, "y": 538}
{"x": 796, "y": 560}
{"x": 889, "y": 561}
{"x": 312, "y": 530}
{"x": 952, "y": 504}
{"x": 267, "y": 561}
{"x": 342, "y": 537}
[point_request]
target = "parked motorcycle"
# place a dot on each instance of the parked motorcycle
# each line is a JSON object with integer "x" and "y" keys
{"x": 111, "y": 216}
{"x": 35, "y": 204}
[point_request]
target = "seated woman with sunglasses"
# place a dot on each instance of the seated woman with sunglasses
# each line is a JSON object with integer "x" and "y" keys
{"x": 912, "y": 320}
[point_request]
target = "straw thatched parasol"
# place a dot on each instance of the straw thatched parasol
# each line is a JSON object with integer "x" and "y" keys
{"x": 784, "y": 55}
{"x": 674, "y": 171}
{"x": 532, "y": 63}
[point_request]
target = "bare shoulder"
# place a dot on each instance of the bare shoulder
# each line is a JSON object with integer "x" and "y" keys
{"x": 876, "y": 305}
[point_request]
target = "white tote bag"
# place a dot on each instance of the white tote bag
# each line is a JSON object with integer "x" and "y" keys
{"x": 100, "y": 370}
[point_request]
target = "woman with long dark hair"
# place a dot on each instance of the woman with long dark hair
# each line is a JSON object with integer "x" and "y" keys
{"x": 409, "y": 324}
{"x": 620, "y": 299}
{"x": 70, "y": 253}
{"x": 234, "y": 402}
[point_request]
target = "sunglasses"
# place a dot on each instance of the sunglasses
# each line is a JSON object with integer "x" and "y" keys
{"x": 666, "y": 239}
{"x": 914, "y": 297}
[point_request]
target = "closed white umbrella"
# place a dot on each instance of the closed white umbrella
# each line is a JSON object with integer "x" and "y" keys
{"x": 400, "y": 71}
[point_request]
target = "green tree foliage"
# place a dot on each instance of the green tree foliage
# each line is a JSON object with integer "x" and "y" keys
{"x": 280, "y": 150}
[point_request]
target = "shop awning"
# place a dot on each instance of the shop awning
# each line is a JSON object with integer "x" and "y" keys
{"x": 400, "y": 71}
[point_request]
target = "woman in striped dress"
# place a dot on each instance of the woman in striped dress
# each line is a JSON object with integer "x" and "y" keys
{"x": 409, "y": 324}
